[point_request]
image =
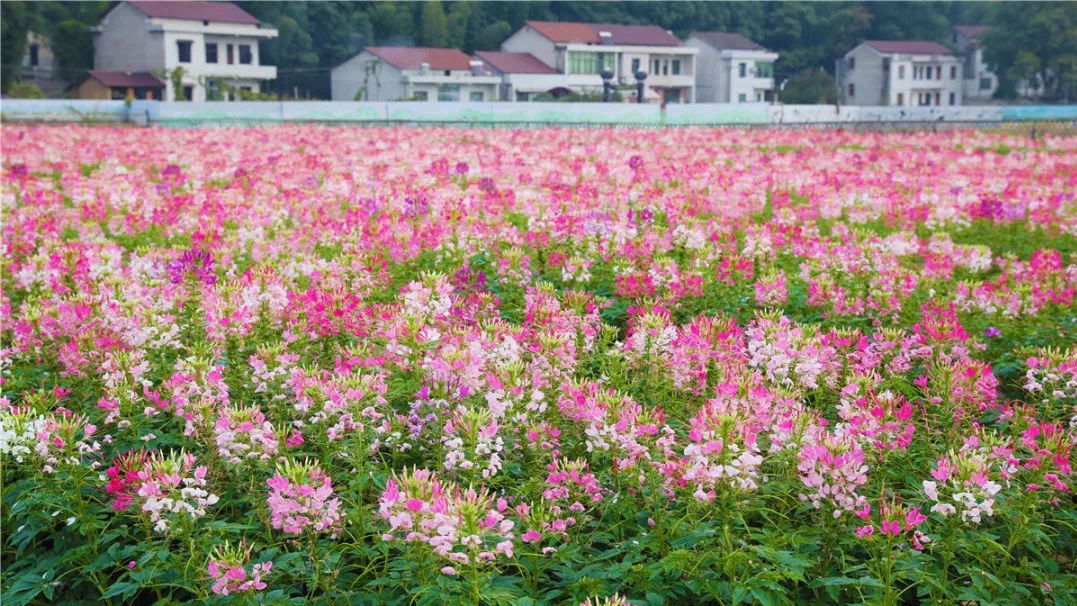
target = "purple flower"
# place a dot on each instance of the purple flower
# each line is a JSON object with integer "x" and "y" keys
{"x": 992, "y": 332}
{"x": 635, "y": 162}
{"x": 462, "y": 168}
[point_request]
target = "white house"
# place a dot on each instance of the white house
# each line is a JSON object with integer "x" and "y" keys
{"x": 389, "y": 73}
{"x": 904, "y": 73}
{"x": 732, "y": 68}
{"x": 979, "y": 83}
{"x": 581, "y": 51}
{"x": 523, "y": 76}
{"x": 214, "y": 43}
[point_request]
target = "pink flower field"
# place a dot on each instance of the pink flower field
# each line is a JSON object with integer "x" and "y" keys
{"x": 321, "y": 364}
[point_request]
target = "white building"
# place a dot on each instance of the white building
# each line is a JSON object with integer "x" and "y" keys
{"x": 979, "y": 83}
{"x": 906, "y": 73}
{"x": 388, "y": 73}
{"x": 581, "y": 51}
{"x": 215, "y": 44}
{"x": 732, "y": 68}
{"x": 523, "y": 76}
{"x": 39, "y": 67}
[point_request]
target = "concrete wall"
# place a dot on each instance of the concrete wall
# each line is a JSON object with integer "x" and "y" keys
{"x": 759, "y": 114}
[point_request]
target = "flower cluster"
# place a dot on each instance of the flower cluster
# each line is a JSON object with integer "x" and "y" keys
{"x": 301, "y": 500}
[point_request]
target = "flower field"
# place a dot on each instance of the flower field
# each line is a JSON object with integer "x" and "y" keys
{"x": 311, "y": 364}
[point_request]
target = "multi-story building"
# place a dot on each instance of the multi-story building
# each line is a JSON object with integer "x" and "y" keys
{"x": 732, "y": 69}
{"x": 387, "y": 73}
{"x": 900, "y": 73}
{"x": 210, "y": 49}
{"x": 979, "y": 83}
{"x": 580, "y": 52}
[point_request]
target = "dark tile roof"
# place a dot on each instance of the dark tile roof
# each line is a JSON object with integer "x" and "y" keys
{"x": 220, "y": 12}
{"x": 514, "y": 63}
{"x": 404, "y": 57}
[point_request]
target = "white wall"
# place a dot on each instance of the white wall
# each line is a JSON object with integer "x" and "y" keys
{"x": 707, "y": 71}
{"x": 384, "y": 82}
{"x": 527, "y": 40}
{"x": 125, "y": 43}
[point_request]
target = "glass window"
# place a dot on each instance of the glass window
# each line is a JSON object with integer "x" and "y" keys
{"x": 588, "y": 63}
{"x": 211, "y": 52}
{"x": 245, "y": 55}
{"x": 852, "y": 62}
{"x": 231, "y": 54}
{"x": 741, "y": 98}
{"x": 985, "y": 83}
{"x": 742, "y": 69}
{"x": 34, "y": 55}
{"x": 635, "y": 66}
{"x": 676, "y": 67}
{"x": 184, "y": 49}
{"x": 938, "y": 72}
{"x": 188, "y": 93}
{"x": 953, "y": 72}
{"x": 901, "y": 99}
{"x": 449, "y": 92}
{"x": 476, "y": 95}
{"x": 953, "y": 99}
{"x": 764, "y": 69}
{"x": 901, "y": 72}
{"x": 852, "y": 90}
{"x": 420, "y": 95}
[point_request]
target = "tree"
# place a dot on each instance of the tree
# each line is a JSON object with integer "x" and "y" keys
{"x": 17, "y": 18}
{"x": 809, "y": 86}
{"x": 434, "y": 31}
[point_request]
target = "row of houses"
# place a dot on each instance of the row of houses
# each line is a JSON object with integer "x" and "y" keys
{"x": 202, "y": 51}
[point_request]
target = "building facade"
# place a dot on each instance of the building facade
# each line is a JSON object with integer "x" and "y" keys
{"x": 978, "y": 83}
{"x": 210, "y": 49}
{"x": 906, "y": 73}
{"x": 732, "y": 69}
{"x": 580, "y": 52}
{"x": 39, "y": 66}
{"x": 386, "y": 73}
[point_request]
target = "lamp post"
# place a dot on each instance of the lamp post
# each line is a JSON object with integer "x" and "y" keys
{"x": 640, "y": 77}
{"x": 607, "y": 86}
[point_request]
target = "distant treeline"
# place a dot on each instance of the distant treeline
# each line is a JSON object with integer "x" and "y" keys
{"x": 1033, "y": 37}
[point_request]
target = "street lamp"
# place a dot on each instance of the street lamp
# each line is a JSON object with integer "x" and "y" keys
{"x": 607, "y": 86}
{"x": 640, "y": 77}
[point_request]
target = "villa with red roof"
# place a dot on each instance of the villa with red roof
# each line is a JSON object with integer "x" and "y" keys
{"x": 581, "y": 52}
{"x": 211, "y": 46}
{"x": 907, "y": 73}
{"x": 390, "y": 73}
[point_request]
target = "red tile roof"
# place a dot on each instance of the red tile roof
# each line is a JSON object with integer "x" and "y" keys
{"x": 908, "y": 47}
{"x": 514, "y": 63}
{"x": 126, "y": 79}
{"x": 587, "y": 33}
{"x": 412, "y": 58}
{"x": 220, "y": 12}
{"x": 728, "y": 41}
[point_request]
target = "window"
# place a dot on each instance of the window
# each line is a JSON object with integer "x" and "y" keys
{"x": 953, "y": 72}
{"x": 676, "y": 67}
{"x": 188, "y": 93}
{"x": 635, "y": 66}
{"x": 852, "y": 62}
{"x": 742, "y": 69}
{"x": 230, "y": 54}
{"x": 449, "y": 92}
{"x": 420, "y": 95}
{"x": 524, "y": 96}
{"x": 665, "y": 67}
{"x": 938, "y": 72}
{"x": 654, "y": 68}
{"x": 447, "y": 72}
{"x": 245, "y": 55}
{"x": 764, "y": 69}
{"x": 476, "y": 95}
{"x": 211, "y": 52}
{"x": 184, "y": 49}
{"x": 852, "y": 90}
{"x": 901, "y": 72}
{"x": 985, "y": 83}
{"x": 953, "y": 99}
{"x": 901, "y": 99}
{"x": 588, "y": 63}
{"x": 741, "y": 98}
{"x": 938, "y": 97}
{"x": 33, "y": 55}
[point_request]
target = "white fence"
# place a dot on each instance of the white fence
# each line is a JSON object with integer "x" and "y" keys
{"x": 268, "y": 112}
